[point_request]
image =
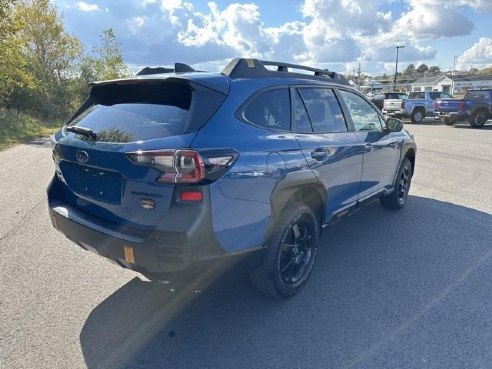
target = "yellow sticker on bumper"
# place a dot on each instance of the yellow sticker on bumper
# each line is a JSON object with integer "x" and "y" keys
{"x": 129, "y": 256}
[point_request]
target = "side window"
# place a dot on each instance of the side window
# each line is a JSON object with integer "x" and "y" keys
{"x": 323, "y": 110}
{"x": 270, "y": 109}
{"x": 363, "y": 115}
{"x": 302, "y": 123}
{"x": 434, "y": 95}
{"x": 445, "y": 96}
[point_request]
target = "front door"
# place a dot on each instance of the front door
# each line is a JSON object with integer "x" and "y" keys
{"x": 331, "y": 150}
{"x": 381, "y": 150}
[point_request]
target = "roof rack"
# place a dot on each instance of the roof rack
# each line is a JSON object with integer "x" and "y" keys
{"x": 178, "y": 68}
{"x": 251, "y": 68}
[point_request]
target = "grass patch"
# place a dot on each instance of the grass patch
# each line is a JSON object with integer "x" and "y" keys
{"x": 16, "y": 127}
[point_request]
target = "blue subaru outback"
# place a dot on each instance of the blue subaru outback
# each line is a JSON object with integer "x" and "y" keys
{"x": 176, "y": 171}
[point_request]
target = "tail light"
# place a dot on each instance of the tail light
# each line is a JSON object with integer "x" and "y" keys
{"x": 403, "y": 104}
{"x": 461, "y": 105}
{"x": 186, "y": 166}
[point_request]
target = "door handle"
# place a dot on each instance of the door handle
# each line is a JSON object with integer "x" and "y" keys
{"x": 319, "y": 154}
{"x": 369, "y": 147}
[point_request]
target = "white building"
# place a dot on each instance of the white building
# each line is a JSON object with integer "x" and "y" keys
{"x": 479, "y": 81}
{"x": 453, "y": 84}
{"x": 436, "y": 83}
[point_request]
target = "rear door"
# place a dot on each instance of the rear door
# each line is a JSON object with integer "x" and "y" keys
{"x": 98, "y": 154}
{"x": 332, "y": 151}
{"x": 381, "y": 150}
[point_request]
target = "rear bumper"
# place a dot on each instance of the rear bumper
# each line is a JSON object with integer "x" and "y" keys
{"x": 395, "y": 113}
{"x": 182, "y": 245}
{"x": 454, "y": 116}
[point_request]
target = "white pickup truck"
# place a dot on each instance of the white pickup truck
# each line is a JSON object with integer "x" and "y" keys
{"x": 418, "y": 105}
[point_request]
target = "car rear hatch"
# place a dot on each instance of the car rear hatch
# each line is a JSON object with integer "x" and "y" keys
{"x": 102, "y": 155}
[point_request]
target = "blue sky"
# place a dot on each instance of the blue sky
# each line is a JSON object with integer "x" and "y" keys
{"x": 324, "y": 33}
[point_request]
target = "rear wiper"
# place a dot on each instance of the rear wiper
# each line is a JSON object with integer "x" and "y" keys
{"x": 83, "y": 131}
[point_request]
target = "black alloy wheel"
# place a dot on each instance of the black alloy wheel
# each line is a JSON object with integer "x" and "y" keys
{"x": 404, "y": 184}
{"x": 398, "y": 198}
{"x": 290, "y": 254}
{"x": 296, "y": 250}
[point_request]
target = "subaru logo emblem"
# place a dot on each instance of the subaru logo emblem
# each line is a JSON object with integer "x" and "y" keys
{"x": 82, "y": 156}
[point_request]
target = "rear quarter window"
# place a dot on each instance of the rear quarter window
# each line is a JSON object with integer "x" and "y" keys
{"x": 269, "y": 109}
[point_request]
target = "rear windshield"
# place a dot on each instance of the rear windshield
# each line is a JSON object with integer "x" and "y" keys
{"x": 144, "y": 111}
{"x": 416, "y": 95}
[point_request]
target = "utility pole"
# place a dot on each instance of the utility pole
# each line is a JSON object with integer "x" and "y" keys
{"x": 398, "y": 47}
{"x": 453, "y": 74}
{"x": 359, "y": 77}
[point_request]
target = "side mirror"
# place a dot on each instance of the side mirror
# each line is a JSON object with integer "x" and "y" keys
{"x": 393, "y": 125}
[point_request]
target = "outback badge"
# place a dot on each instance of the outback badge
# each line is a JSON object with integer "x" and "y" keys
{"x": 148, "y": 204}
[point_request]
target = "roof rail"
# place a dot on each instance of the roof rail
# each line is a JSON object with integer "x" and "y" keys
{"x": 178, "y": 68}
{"x": 251, "y": 68}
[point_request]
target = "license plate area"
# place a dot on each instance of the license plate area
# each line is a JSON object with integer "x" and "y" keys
{"x": 98, "y": 184}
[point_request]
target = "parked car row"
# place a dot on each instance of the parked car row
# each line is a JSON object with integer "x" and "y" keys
{"x": 417, "y": 106}
{"x": 475, "y": 108}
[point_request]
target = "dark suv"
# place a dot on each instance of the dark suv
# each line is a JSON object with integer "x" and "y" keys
{"x": 182, "y": 172}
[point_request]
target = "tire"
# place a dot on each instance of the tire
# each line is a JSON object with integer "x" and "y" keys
{"x": 478, "y": 119}
{"x": 398, "y": 198}
{"x": 448, "y": 121}
{"x": 417, "y": 116}
{"x": 291, "y": 253}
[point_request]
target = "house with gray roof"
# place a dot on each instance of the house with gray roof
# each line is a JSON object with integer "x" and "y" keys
{"x": 435, "y": 83}
{"x": 453, "y": 84}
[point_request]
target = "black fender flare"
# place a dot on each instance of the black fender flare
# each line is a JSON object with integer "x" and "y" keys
{"x": 303, "y": 186}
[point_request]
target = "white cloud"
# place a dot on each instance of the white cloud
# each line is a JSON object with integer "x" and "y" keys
{"x": 328, "y": 34}
{"x": 485, "y": 5}
{"x": 86, "y": 7}
{"x": 347, "y": 16}
{"x": 479, "y": 55}
{"x": 238, "y": 27}
{"x": 427, "y": 21}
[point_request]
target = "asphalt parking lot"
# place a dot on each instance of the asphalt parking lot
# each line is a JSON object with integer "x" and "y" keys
{"x": 407, "y": 289}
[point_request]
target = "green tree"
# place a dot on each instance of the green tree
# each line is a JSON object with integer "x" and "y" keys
{"x": 106, "y": 61}
{"x": 434, "y": 69}
{"x": 12, "y": 63}
{"x": 52, "y": 57}
{"x": 422, "y": 68}
{"x": 410, "y": 70}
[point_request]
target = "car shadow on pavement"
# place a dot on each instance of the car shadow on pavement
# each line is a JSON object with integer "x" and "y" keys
{"x": 390, "y": 289}
{"x": 486, "y": 127}
{"x": 425, "y": 122}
